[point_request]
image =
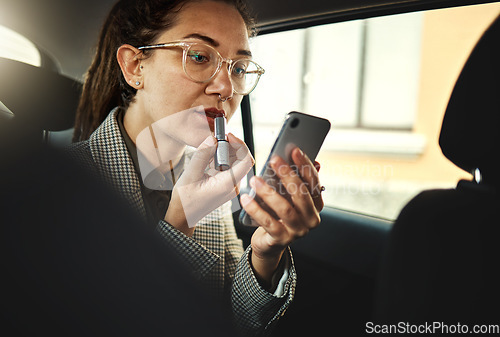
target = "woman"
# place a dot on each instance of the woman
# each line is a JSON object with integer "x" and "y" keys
{"x": 147, "y": 73}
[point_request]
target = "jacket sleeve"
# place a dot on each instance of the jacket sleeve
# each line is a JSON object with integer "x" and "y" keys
{"x": 256, "y": 310}
{"x": 199, "y": 259}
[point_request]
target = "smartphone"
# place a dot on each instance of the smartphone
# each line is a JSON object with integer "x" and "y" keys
{"x": 299, "y": 130}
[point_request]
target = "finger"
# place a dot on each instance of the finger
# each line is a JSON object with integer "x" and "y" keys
{"x": 242, "y": 160}
{"x": 294, "y": 185}
{"x": 235, "y": 141}
{"x": 309, "y": 174}
{"x": 306, "y": 168}
{"x": 195, "y": 170}
{"x": 240, "y": 148}
{"x": 276, "y": 204}
{"x": 304, "y": 204}
{"x": 240, "y": 168}
{"x": 261, "y": 216}
{"x": 223, "y": 183}
{"x": 229, "y": 180}
{"x": 318, "y": 201}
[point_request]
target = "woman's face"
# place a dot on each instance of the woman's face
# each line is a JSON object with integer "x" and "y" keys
{"x": 166, "y": 90}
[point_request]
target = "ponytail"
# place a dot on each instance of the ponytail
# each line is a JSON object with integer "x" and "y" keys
{"x": 101, "y": 90}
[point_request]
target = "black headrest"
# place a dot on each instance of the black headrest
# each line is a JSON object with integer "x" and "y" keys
{"x": 38, "y": 97}
{"x": 470, "y": 135}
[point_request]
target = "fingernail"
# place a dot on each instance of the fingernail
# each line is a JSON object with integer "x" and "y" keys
{"x": 252, "y": 182}
{"x": 317, "y": 166}
{"x": 274, "y": 160}
{"x": 245, "y": 199}
{"x": 255, "y": 182}
{"x": 304, "y": 155}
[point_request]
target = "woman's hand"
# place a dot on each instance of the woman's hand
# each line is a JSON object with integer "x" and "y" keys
{"x": 199, "y": 191}
{"x": 283, "y": 221}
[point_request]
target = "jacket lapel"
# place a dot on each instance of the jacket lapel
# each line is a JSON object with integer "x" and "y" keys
{"x": 111, "y": 156}
{"x": 113, "y": 160}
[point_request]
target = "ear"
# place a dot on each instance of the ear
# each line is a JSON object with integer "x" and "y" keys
{"x": 130, "y": 64}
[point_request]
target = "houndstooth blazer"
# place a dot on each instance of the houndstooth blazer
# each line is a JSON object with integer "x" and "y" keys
{"x": 214, "y": 253}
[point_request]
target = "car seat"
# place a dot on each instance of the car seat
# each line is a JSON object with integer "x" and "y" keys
{"x": 443, "y": 252}
{"x": 40, "y": 99}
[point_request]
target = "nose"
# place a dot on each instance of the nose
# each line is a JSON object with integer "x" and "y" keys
{"x": 221, "y": 83}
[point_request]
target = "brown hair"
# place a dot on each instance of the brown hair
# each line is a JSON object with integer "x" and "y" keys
{"x": 137, "y": 23}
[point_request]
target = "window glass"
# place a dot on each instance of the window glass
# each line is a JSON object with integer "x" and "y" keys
{"x": 384, "y": 84}
{"x": 235, "y": 124}
{"x": 16, "y": 47}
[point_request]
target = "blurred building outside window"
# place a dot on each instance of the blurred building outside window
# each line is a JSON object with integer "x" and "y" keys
{"x": 384, "y": 84}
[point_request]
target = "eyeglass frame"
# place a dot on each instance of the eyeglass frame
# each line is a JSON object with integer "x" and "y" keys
{"x": 230, "y": 62}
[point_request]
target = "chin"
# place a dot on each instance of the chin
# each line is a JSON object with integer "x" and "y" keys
{"x": 196, "y": 138}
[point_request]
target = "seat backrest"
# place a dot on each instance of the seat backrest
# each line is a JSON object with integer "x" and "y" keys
{"x": 443, "y": 250}
{"x": 40, "y": 99}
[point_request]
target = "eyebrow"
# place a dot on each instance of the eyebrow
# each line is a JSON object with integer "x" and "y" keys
{"x": 214, "y": 43}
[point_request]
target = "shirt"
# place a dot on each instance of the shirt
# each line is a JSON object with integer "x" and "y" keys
{"x": 155, "y": 201}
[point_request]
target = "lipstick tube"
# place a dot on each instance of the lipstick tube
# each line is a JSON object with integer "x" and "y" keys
{"x": 221, "y": 157}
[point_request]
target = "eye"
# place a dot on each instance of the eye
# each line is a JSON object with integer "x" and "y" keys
{"x": 198, "y": 56}
{"x": 239, "y": 69}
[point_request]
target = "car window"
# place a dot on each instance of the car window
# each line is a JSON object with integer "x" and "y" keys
{"x": 384, "y": 84}
{"x": 15, "y": 46}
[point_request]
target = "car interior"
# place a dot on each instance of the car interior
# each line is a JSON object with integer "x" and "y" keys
{"x": 408, "y": 232}
{"x": 443, "y": 241}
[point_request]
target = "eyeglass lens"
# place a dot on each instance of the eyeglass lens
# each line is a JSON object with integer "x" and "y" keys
{"x": 202, "y": 62}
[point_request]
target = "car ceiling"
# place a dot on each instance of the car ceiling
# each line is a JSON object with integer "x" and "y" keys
{"x": 67, "y": 29}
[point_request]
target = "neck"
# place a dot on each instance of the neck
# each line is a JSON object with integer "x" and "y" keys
{"x": 169, "y": 149}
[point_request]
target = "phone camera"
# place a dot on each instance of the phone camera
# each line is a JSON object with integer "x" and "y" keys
{"x": 294, "y": 123}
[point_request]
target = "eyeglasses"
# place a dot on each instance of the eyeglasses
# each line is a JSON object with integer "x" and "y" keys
{"x": 202, "y": 63}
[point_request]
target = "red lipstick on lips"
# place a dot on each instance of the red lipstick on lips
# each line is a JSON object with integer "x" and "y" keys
{"x": 212, "y": 114}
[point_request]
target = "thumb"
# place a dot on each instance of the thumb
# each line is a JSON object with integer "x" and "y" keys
{"x": 200, "y": 160}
